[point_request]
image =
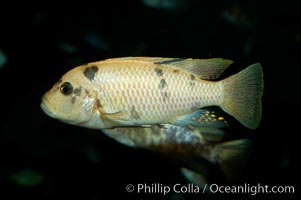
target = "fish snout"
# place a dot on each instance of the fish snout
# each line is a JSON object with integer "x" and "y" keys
{"x": 45, "y": 106}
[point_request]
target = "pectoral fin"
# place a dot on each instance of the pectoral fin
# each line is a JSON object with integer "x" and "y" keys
{"x": 123, "y": 117}
{"x": 115, "y": 115}
{"x": 114, "y": 119}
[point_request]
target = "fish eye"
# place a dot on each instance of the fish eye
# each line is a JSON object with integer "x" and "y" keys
{"x": 66, "y": 88}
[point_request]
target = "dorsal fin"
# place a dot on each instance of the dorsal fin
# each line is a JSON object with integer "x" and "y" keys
{"x": 206, "y": 69}
{"x": 142, "y": 59}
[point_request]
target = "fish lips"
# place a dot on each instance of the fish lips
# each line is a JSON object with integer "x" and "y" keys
{"x": 45, "y": 107}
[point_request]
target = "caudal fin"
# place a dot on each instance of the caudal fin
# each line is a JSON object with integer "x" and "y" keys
{"x": 231, "y": 156}
{"x": 242, "y": 95}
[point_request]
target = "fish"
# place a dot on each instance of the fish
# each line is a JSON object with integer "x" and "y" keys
{"x": 237, "y": 15}
{"x": 168, "y": 5}
{"x": 142, "y": 91}
{"x": 196, "y": 148}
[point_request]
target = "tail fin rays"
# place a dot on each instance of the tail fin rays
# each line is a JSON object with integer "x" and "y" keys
{"x": 242, "y": 95}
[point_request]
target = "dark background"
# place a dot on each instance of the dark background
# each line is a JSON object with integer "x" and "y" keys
{"x": 46, "y": 159}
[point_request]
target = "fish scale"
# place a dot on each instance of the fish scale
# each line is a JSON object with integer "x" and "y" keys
{"x": 133, "y": 86}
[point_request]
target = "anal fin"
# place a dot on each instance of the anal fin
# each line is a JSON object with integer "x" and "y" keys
{"x": 202, "y": 117}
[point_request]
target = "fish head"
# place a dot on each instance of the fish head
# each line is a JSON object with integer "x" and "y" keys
{"x": 71, "y": 100}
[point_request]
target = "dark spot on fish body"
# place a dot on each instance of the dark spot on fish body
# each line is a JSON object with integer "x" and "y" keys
{"x": 73, "y": 100}
{"x": 159, "y": 71}
{"x": 90, "y": 72}
{"x": 192, "y": 80}
{"x": 165, "y": 96}
{"x": 134, "y": 113}
{"x": 77, "y": 91}
{"x": 162, "y": 83}
{"x": 192, "y": 77}
{"x": 192, "y": 83}
{"x": 98, "y": 104}
{"x": 176, "y": 71}
{"x": 87, "y": 93}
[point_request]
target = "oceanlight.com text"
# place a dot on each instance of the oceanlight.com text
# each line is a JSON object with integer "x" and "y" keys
{"x": 251, "y": 189}
{"x": 158, "y": 188}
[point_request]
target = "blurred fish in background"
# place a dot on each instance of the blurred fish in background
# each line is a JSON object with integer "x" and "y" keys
{"x": 241, "y": 17}
{"x": 27, "y": 178}
{"x": 236, "y": 15}
{"x": 167, "y": 4}
{"x": 67, "y": 47}
{"x": 200, "y": 150}
{"x": 97, "y": 41}
{"x": 3, "y": 58}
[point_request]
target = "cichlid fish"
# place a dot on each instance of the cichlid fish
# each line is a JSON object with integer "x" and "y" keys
{"x": 192, "y": 146}
{"x": 140, "y": 91}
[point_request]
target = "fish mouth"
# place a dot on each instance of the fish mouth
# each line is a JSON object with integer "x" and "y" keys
{"x": 44, "y": 106}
